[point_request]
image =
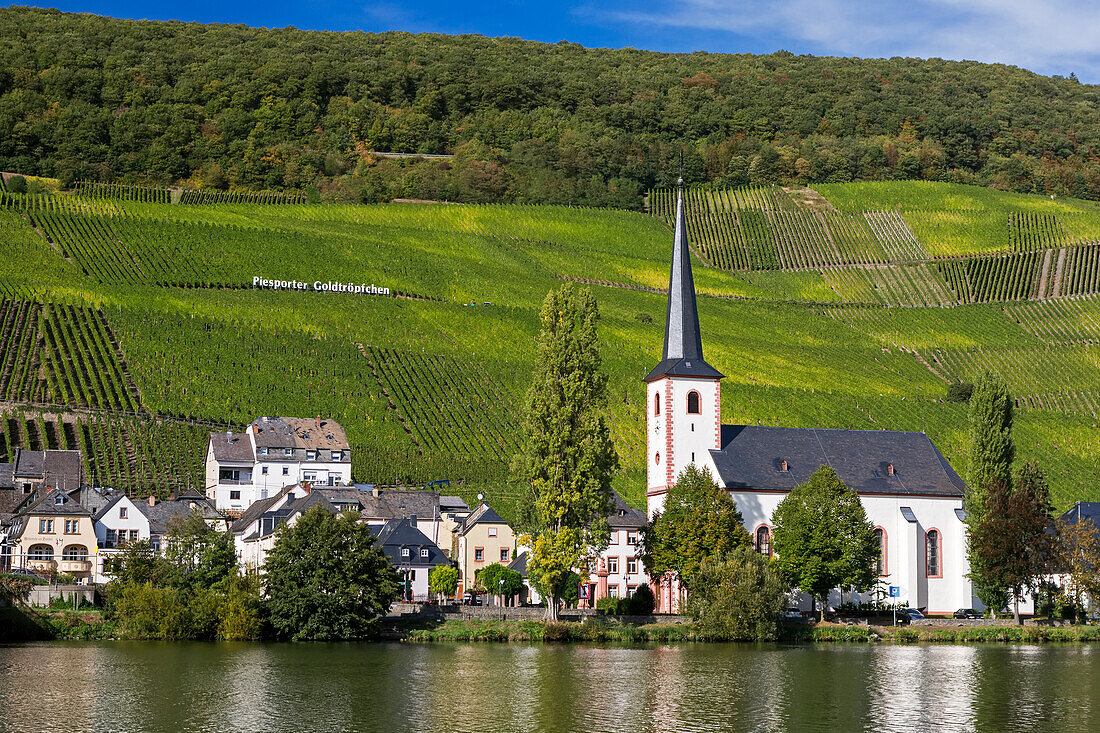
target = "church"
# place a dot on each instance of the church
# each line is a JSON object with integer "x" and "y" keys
{"x": 909, "y": 491}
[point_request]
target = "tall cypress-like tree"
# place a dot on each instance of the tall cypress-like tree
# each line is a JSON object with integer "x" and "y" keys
{"x": 567, "y": 458}
{"x": 991, "y": 454}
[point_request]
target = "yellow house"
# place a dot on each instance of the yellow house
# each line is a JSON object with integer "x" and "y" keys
{"x": 55, "y": 535}
{"x": 480, "y": 540}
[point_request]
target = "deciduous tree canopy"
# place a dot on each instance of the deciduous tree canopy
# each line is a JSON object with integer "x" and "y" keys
{"x": 87, "y": 97}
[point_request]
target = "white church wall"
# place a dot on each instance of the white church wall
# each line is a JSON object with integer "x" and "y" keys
{"x": 677, "y": 437}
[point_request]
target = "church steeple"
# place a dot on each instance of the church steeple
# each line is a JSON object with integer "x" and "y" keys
{"x": 683, "y": 352}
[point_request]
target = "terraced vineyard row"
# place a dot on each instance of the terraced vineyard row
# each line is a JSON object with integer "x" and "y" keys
{"x": 194, "y": 196}
{"x": 894, "y": 285}
{"x": 1026, "y": 371}
{"x": 446, "y": 404}
{"x": 1030, "y": 275}
{"x": 140, "y": 457}
{"x": 762, "y": 229}
{"x": 1064, "y": 321}
{"x": 59, "y": 354}
{"x": 143, "y": 194}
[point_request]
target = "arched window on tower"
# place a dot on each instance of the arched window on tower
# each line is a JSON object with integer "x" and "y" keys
{"x": 933, "y": 552}
{"x": 880, "y": 563}
{"x": 693, "y": 403}
{"x": 657, "y": 403}
{"x": 764, "y": 540}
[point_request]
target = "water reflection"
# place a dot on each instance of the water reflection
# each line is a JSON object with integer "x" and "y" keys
{"x": 470, "y": 687}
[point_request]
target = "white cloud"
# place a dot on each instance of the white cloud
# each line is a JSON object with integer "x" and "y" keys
{"x": 1052, "y": 37}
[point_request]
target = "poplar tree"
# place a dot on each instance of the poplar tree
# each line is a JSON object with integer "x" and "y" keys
{"x": 991, "y": 454}
{"x": 567, "y": 457}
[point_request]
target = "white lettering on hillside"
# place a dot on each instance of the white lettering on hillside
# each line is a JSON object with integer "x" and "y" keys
{"x": 320, "y": 286}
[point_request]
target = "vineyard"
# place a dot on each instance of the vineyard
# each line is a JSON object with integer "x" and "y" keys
{"x": 162, "y": 195}
{"x": 138, "y": 456}
{"x": 129, "y": 327}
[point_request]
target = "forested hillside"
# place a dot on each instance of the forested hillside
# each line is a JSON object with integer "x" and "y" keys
{"x": 87, "y": 98}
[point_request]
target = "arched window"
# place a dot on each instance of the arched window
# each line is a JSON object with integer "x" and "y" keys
{"x": 657, "y": 458}
{"x": 657, "y": 403}
{"x": 880, "y": 564}
{"x": 76, "y": 553}
{"x": 40, "y": 552}
{"x": 764, "y": 540}
{"x": 932, "y": 554}
{"x": 693, "y": 403}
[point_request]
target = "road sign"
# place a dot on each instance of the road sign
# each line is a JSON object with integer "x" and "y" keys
{"x": 895, "y": 591}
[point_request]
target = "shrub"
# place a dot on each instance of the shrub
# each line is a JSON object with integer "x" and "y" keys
{"x": 737, "y": 596}
{"x": 643, "y": 317}
{"x": 17, "y": 184}
{"x": 642, "y": 602}
{"x": 960, "y": 392}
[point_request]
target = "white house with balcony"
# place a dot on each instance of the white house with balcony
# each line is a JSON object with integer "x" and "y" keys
{"x": 272, "y": 453}
{"x": 53, "y": 537}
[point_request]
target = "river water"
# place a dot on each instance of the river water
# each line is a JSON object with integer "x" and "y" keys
{"x": 131, "y": 686}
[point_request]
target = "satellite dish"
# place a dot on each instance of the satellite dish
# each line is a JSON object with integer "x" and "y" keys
{"x": 480, "y": 497}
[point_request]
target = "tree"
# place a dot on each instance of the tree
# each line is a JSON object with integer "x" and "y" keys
{"x": 326, "y": 579}
{"x": 17, "y": 184}
{"x": 699, "y": 520}
{"x": 991, "y": 454}
{"x": 991, "y": 448}
{"x": 822, "y": 538}
{"x": 738, "y": 596}
{"x": 1010, "y": 543}
{"x": 443, "y": 580}
{"x": 196, "y": 555}
{"x": 567, "y": 457}
{"x": 498, "y": 580}
{"x": 1077, "y": 554}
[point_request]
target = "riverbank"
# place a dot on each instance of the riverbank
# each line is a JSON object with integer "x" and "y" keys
{"x": 607, "y": 630}
{"x": 45, "y": 624}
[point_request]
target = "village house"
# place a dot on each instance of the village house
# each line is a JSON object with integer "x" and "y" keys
{"x": 618, "y": 571}
{"x": 480, "y": 540}
{"x": 436, "y": 515}
{"x": 274, "y": 452}
{"x": 412, "y": 553}
{"x": 254, "y": 530}
{"x": 34, "y": 470}
{"x": 54, "y": 535}
{"x": 122, "y": 519}
{"x": 910, "y": 492}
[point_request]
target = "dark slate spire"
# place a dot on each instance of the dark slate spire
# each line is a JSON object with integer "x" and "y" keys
{"x": 683, "y": 354}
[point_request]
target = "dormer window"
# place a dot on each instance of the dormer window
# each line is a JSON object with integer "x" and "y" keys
{"x": 311, "y": 455}
{"x": 890, "y": 469}
{"x": 693, "y": 403}
{"x": 336, "y": 455}
{"x": 287, "y": 452}
{"x": 404, "y": 552}
{"x": 263, "y": 451}
{"x": 784, "y": 466}
{"x": 424, "y": 553}
{"x": 58, "y": 500}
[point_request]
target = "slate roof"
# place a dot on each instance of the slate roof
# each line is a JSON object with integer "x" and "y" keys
{"x": 60, "y": 467}
{"x": 300, "y": 432}
{"x": 48, "y": 505}
{"x": 390, "y": 504}
{"x": 397, "y": 534}
{"x": 236, "y": 448}
{"x": 263, "y": 509}
{"x": 683, "y": 352}
{"x": 484, "y": 514}
{"x": 1083, "y": 510}
{"x": 7, "y": 479}
{"x": 453, "y": 504}
{"x": 162, "y": 514}
{"x": 624, "y": 516}
{"x": 9, "y": 498}
{"x": 519, "y": 563}
{"x": 751, "y": 459}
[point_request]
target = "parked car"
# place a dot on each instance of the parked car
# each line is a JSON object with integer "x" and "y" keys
{"x": 472, "y": 599}
{"x": 792, "y": 614}
{"x": 908, "y": 615}
{"x": 968, "y": 613}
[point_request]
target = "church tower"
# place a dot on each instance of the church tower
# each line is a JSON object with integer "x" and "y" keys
{"x": 684, "y": 398}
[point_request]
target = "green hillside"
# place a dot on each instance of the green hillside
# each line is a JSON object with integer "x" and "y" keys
{"x": 130, "y": 328}
{"x": 230, "y": 109}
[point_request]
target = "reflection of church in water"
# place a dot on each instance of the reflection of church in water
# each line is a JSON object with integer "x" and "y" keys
{"x": 910, "y": 492}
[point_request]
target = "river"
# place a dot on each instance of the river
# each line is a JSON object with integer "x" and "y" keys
{"x": 170, "y": 687}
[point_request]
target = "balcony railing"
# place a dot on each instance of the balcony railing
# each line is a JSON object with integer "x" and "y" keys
{"x": 75, "y": 566}
{"x": 235, "y": 482}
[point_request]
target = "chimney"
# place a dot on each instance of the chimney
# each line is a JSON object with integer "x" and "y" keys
{"x": 412, "y": 520}
{"x": 152, "y": 500}
{"x": 374, "y": 491}
{"x": 228, "y": 436}
{"x": 318, "y": 422}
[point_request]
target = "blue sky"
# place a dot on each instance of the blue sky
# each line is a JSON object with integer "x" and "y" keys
{"x": 1046, "y": 36}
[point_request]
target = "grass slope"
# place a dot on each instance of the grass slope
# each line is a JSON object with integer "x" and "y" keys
{"x": 430, "y": 386}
